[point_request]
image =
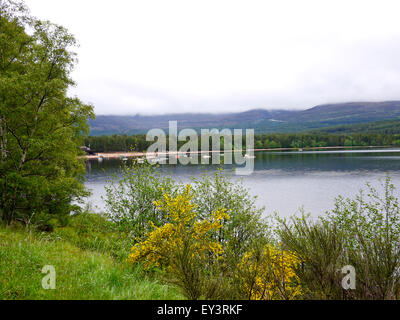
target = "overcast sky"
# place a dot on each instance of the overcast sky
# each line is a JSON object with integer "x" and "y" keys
{"x": 168, "y": 56}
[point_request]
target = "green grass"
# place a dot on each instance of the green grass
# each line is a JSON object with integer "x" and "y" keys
{"x": 89, "y": 265}
{"x": 95, "y": 233}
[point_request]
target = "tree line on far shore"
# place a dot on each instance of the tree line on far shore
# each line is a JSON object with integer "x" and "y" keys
{"x": 118, "y": 143}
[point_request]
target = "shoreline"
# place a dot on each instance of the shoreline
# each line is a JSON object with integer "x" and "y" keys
{"x": 117, "y": 155}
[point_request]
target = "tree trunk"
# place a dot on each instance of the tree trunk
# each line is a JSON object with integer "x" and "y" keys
{"x": 3, "y": 141}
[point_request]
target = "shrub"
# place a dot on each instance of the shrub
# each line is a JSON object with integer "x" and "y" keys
{"x": 186, "y": 231}
{"x": 245, "y": 225}
{"x": 371, "y": 225}
{"x": 267, "y": 273}
{"x": 183, "y": 246}
{"x": 130, "y": 200}
{"x": 319, "y": 248}
{"x": 363, "y": 232}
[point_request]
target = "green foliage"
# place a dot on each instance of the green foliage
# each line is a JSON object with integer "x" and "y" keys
{"x": 132, "y": 208}
{"x": 376, "y": 127}
{"x": 320, "y": 249}
{"x": 130, "y": 200}
{"x": 118, "y": 143}
{"x": 41, "y": 127}
{"x": 184, "y": 247}
{"x": 245, "y": 225}
{"x": 371, "y": 225}
{"x": 80, "y": 274}
{"x": 363, "y": 232}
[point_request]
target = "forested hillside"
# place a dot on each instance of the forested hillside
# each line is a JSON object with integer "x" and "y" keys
{"x": 263, "y": 121}
{"x": 383, "y": 127}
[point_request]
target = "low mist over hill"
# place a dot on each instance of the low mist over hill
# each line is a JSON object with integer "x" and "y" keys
{"x": 263, "y": 121}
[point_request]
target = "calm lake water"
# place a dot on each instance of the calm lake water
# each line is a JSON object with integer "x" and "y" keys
{"x": 284, "y": 181}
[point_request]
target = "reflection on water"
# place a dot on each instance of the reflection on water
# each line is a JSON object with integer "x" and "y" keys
{"x": 284, "y": 181}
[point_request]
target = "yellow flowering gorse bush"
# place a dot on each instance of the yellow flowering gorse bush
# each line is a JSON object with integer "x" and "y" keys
{"x": 269, "y": 274}
{"x": 186, "y": 248}
{"x": 184, "y": 230}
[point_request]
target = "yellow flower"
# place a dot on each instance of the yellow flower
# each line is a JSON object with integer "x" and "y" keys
{"x": 269, "y": 274}
{"x": 185, "y": 229}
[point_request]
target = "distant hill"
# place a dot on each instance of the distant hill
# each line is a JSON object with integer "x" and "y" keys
{"x": 329, "y": 116}
{"x": 382, "y": 127}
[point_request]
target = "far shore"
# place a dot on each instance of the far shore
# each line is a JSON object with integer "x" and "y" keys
{"x": 122, "y": 154}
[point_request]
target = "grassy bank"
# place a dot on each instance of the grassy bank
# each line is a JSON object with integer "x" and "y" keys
{"x": 89, "y": 259}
